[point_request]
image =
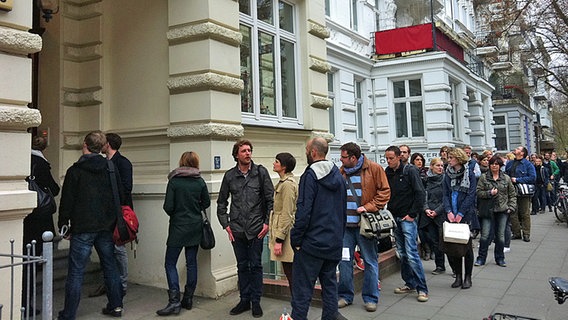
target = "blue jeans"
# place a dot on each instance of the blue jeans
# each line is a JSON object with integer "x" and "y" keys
{"x": 370, "y": 290}
{"x": 249, "y": 268}
{"x": 497, "y": 223}
{"x": 306, "y": 269}
{"x": 122, "y": 260}
{"x": 411, "y": 269}
{"x": 79, "y": 253}
{"x": 539, "y": 199}
{"x": 172, "y": 255}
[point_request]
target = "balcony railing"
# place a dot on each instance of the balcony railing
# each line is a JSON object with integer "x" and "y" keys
{"x": 510, "y": 92}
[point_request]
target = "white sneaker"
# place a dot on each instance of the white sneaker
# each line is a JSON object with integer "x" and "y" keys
{"x": 506, "y": 249}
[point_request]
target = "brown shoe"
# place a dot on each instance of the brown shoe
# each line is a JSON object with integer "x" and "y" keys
{"x": 99, "y": 291}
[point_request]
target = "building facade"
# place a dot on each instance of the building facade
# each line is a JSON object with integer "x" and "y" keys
{"x": 389, "y": 89}
{"x": 168, "y": 76}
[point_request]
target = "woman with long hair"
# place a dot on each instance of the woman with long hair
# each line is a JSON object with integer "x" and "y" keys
{"x": 459, "y": 204}
{"x": 418, "y": 160}
{"x": 283, "y": 214}
{"x": 186, "y": 197}
{"x": 496, "y": 199}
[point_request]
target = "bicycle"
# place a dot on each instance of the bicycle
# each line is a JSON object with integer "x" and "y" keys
{"x": 561, "y": 204}
{"x": 558, "y": 285}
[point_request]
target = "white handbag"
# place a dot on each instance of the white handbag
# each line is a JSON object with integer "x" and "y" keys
{"x": 456, "y": 232}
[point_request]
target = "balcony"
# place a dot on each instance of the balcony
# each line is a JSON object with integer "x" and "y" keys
{"x": 510, "y": 92}
{"x": 418, "y": 39}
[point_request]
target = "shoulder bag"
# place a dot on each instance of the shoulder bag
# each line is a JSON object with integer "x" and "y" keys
{"x": 126, "y": 228}
{"x": 208, "y": 238}
{"x": 525, "y": 190}
{"x": 372, "y": 223}
{"x": 45, "y": 200}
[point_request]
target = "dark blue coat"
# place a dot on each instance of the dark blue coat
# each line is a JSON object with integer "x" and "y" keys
{"x": 321, "y": 211}
{"x": 465, "y": 201}
{"x": 524, "y": 172}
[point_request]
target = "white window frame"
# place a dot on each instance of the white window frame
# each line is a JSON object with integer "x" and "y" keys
{"x": 256, "y": 26}
{"x": 359, "y": 104}
{"x": 332, "y": 96}
{"x": 502, "y": 126}
{"x": 354, "y": 14}
{"x": 407, "y": 99}
{"x": 456, "y": 111}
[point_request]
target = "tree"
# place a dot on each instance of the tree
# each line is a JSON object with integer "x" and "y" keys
{"x": 560, "y": 124}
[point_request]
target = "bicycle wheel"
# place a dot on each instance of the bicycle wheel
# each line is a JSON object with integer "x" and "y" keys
{"x": 560, "y": 212}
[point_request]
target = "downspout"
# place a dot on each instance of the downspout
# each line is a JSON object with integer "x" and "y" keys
{"x": 435, "y": 45}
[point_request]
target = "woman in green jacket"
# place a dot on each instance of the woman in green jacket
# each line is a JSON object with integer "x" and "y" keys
{"x": 496, "y": 200}
{"x": 186, "y": 197}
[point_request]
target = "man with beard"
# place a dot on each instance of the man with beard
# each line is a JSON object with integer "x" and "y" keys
{"x": 251, "y": 192}
{"x": 317, "y": 236}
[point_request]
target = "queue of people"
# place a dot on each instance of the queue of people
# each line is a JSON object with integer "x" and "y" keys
{"x": 313, "y": 223}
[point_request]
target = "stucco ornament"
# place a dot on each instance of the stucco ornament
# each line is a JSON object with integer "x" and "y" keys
{"x": 19, "y": 42}
{"x": 206, "y": 130}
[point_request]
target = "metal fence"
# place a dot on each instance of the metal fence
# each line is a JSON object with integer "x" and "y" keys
{"x": 30, "y": 263}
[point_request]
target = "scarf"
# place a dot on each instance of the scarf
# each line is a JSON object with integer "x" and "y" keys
{"x": 184, "y": 172}
{"x": 357, "y": 167}
{"x": 39, "y": 154}
{"x": 455, "y": 176}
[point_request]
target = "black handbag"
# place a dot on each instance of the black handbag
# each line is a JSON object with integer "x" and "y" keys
{"x": 45, "y": 200}
{"x": 208, "y": 238}
{"x": 485, "y": 207}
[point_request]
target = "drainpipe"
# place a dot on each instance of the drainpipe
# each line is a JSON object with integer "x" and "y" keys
{"x": 433, "y": 25}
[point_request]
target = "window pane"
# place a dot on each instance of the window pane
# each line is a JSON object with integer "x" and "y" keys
{"x": 288, "y": 79}
{"x": 401, "y": 124}
{"x": 415, "y": 87}
{"x": 244, "y": 6}
{"x": 501, "y": 139}
{"x": 398, "y": 88}
{"x": 264, "y": 12}
{"x": 266, "y": 73}
{"x": 286, "y": 17}
{"x": 499, "y": 120}
{"x": 331, "y": 110}
{"x": 417, "y": 120}
{"x": 327, "y": 12}
{"x": 246, "y": 70}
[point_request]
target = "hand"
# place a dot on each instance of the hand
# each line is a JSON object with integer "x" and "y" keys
{"x": 263, "y": 232}
{"x": 458, "y": 218}
{"x": 278, "y": 249}
{"x": 494, "y": 191}
{"x": 552, "y": 177}
{"x": 231, "y": 237}
{"x": 451, "y": 217}
{"x": 407, "y": 218}
{"x": 361, "y": 209}
{"x": 514, "y": 180}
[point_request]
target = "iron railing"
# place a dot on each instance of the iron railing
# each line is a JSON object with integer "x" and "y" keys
{"x": 30, "y": 262}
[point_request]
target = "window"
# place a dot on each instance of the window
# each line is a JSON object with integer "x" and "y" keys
{"x": 501, "y": 134}
{"x": 268, "y": 62}
{"x": 327, "y": 9}
{"x": 331, "y": 95}
{"x": 454, "y": 102}
{"x": 408, "y": 108}
{"x": 354, "y": 14}
{"x": 359, "y": 109}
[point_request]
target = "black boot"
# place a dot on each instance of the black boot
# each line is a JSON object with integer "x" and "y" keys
{"x": 173, "y": 307}
{"x": 458, "y": 283}
{"x": 187, "y": 300}
{"x": 466, "y": 282}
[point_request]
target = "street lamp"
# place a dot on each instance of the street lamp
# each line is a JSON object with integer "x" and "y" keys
{"x": 48, "y": 8}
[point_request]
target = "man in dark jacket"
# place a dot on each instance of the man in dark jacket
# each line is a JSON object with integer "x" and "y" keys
{"x": 521, "y": 171}
{"x": 124, "y": 167}
{"x": 251, "y": 192}
{"x": 406, "y": 201}
{"x": 87, "y": 206}
{"x": 317, "y": 236}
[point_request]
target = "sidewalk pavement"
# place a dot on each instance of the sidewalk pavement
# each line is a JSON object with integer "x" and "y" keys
{"x": 521, "y": 289}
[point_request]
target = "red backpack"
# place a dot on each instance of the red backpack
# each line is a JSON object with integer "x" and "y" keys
{"x": 126, "y": 228}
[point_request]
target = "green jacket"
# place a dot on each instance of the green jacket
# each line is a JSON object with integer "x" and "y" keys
{"x": 186, "y": 196}
{"x": 506, "y": 197}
